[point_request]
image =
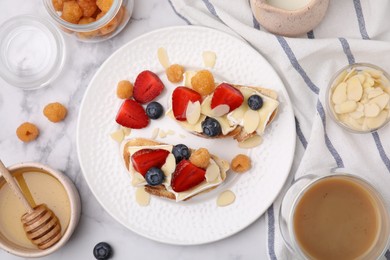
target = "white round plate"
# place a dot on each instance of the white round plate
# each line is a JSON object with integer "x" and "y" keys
{"x": 198, "y": 220}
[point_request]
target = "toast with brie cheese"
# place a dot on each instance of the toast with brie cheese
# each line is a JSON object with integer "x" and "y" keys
{"x": 233, "y": 123}
{"x": 130, "y": 147}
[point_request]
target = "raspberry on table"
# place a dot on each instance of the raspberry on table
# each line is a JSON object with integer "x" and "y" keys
{"x": 27, "y": 132}
{"x": 88, "y": 7}
{"x": 104, "y": 5}
{"x": 241, "y": 163}
{"x": 200, "y": 158}
{"x": 71, "y": 12}
{"x": 175, "y": 73}
{"x": 124, "y": 89}
{"x": 55, "y": 112}
{"x": 203, "y": 82}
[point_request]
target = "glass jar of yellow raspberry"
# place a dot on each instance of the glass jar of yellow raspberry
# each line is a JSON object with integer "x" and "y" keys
{"x": 90, "y": 20}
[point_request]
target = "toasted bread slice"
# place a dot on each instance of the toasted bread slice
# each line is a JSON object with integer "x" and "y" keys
{"x": 238, "y": 133}
{"x": 161, "y": 190}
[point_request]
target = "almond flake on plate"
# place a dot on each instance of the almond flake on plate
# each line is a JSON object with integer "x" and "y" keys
{"x": 209, "y": 58}
{"x": 251, "y": 142}
{"x": 226, "y": 198}
{"x": 118, "y": 135}
{"x": 155, "y": 133}
{"x": 163, "y": 57}
{"x": 142, "y": 197}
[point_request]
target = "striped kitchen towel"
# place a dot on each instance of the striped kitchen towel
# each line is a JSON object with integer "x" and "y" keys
{"x": 352, "y": 31}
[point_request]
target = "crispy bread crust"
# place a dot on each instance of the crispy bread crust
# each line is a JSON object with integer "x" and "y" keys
{"x": 159, "y": 190}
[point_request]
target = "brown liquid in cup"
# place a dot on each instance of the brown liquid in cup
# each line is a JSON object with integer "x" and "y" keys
{"x": 336, "y": 218}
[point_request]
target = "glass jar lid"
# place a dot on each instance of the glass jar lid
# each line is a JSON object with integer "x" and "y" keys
{"x": 32, "y": 52}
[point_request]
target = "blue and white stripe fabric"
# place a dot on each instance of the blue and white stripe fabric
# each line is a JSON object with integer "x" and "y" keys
{"x": 352, "y": 31}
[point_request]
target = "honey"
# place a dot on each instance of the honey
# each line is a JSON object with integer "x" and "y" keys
{"x": 38, "y": 188}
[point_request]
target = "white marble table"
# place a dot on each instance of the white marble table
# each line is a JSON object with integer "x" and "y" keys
{"x": 56, "y": 146}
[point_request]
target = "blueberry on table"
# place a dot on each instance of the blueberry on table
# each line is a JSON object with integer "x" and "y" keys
{"x": 154, "y": 176}
{"x": 211, "y": 127}
{"x": 181, "y": 151}
{"x": 102, "y": 251}
{"x": 154, "y": 110}
{"x": 255, "y": 102}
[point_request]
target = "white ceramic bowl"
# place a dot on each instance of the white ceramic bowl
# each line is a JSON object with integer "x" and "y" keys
{"x": 75, "y": 210}
{"x": 289, "y": 22}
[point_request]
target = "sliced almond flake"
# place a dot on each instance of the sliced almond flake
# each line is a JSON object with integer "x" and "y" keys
{"x": 220, "y": 110}
{"x": 209, "y": 58}
{"x": 163, "y": 57}
{"x": 251, "y": 142}
{"x": 351, "y": 73}
{"x": 374, "y": 73}
{"x": 381, "y": 100}
{"x": 142, "y": 197}
{"x": 226, "y": 198}
{"x": 374, "y": 93}
{"x": 356, "y": 114}
{"x": 212, "y": 172}
{"x": 353, "y": 123}
{"x": 340, "y": 78}
{"x": 346, "y": 107}
{"x": 340, "y": 93}
{"x": 193, "y": 112}
{"x": 126, "y": 130}
{"x": 170, "y": 165}
{"x": 118, "y": 135}
{"x": 187, "y": 78}
{"x": 354, "y": 89}
{"x": 369, "y": 82}
{"x": 371, "y": 110}
{"x": 170, "y": 132}
{"x": 361, "y": 77}
{"x": 376, "y": 122}
{"x": 155, "y": 133}
{"x": 251, "y": 121}
{"x": 162, "y": 134}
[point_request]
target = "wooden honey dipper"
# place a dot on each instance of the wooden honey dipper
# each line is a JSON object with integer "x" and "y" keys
{"x": 41, "y": 225}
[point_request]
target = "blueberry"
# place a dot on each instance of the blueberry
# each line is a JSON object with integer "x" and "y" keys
{"x": 102, "y": 251}
{"x": 154, "y": 110}
{"x": 255, "y": 102}
{"x": 180, "y": 151}
{"x": 154, "y": 176}
{"x": 211, "y": 127}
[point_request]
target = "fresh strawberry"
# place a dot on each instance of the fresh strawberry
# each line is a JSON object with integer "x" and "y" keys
{"x": 147, "y": 86}
{"x": 145, "y": 159}
{"x": 186, "y": 176}
{"x": 180, "y": 98}
{"x": 132, "y": 115}
{"x": 226, "y": 94}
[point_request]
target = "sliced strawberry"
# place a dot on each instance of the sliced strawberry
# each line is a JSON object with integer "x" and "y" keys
{"x": 180, "y": 98}
{"x": 226, "y": 94}
{"x": 147, "y": 86}
{"x": 186, "y": 176}
{"x": 145, "y": 159}
{"x": 132, "y": 115}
